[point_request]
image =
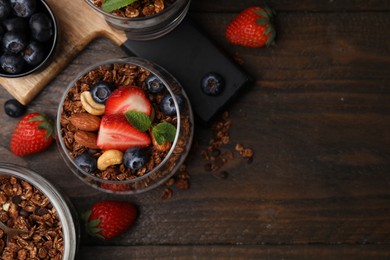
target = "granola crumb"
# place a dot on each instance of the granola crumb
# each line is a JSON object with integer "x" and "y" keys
{"x": 167, "y": 194}
{"x": 216, "y": 154}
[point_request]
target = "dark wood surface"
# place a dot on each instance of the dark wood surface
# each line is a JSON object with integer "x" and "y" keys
{"x": 318, "y": 119}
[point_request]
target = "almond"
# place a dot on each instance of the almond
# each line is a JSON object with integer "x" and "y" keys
{"x": 85, "y": 121}
{"x": 86, "y": 139}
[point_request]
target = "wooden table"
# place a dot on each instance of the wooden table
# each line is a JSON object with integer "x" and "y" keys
{"x": 318, "y": 120}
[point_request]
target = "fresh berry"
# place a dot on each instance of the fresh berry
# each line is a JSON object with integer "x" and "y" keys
{"x": 135, "y": 158}
{"x": 14, "y": 108}
{"x": 101, "y": 91}
{"x": 5, "y": 9}
{"x": 108, "y": 219}
{"x": 14, "y": 41}
{"x": 252, "y": 28}
{"x": 167, "y": 104}
{"x": 41, "y": 27}
{"x": 12, "y": 63}
{"x": 115, "y": 132}
{"x": 24, "y": 8}
{"x": 34, "y": 133}
{"x": 86, "y": 162}
{"x": 34, "y": 53}
{"x": 154, "y": 84}
{"x": 115, "y": 186}
{"x": 212, "y": 84}
{"x": 15, "y": 24}
{"x": 122, "y": 100}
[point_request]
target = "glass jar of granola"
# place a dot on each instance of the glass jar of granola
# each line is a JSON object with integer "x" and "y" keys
{"x": 124, "y": 126}
{"x": 28, "y": 202}
{"x": 144, "y": 19}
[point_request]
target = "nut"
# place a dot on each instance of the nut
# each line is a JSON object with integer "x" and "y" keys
{"x": 108, "y": 158}
{"x": 87, "y": 139}
{"x": 90, "y": 105}
{"x": 85, "y": 121}
{"x": 165, "y": 146}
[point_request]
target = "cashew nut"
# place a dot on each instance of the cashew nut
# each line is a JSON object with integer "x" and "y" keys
{"x": 108, "y": 158}
{"x": 90, "y": 105}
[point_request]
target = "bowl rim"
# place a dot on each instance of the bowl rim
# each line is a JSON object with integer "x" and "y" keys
{"x": 120, "y": 18}
{"x": 49, "y": 55}
{"x": 141, "y": 62}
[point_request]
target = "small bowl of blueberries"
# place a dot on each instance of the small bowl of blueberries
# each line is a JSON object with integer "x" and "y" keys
{"x": 28, "y": 36}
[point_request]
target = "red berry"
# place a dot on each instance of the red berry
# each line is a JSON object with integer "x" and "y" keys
{"x": 116, "y": 132}
{"x": 252, "y": 28}
{"x": 109, "y": 219}
{"x": 34, "y": 133}
{"x": 124, "y": 99}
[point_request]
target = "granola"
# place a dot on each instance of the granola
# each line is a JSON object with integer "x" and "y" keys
{"x": 125, "y": 74}
{"x": 214, "y": 154}
{"x": 24, "y": 207}
{"x": 140, "y": 8}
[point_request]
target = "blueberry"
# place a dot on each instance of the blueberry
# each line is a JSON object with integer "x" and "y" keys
{"x": 136, "y": 157}
{"x": 15, "y": 24}
{"x": 5, "y": 9}
{"x": 212, "y": 84}
{"x": 86, "y": 162}
{"x": 34, "y": 53}
{"x": 12, "y": 63}
{"x": 101, "y": 91}
{"x": 14, "y": 108}
{"x": 24, "y": 8}
{"x": 41, "y": 27}
{"x": 167, "y": 104}
{"x": 14, "y": 41}
{"x": 154, "y": 84}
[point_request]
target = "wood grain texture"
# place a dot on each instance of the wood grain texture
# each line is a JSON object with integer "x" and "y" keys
{"x": 78, "y": 25}
{"x": 240, "y": 252}
{"x": 318, "y": 119}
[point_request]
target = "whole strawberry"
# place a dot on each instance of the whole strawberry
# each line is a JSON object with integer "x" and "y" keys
{"x": 34, "y": 133}
{"x": 252, "y": 28}
{"x": 108, "y": 219}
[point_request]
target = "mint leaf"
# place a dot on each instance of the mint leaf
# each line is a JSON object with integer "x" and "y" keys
{"x": 164, "y": 132}
{"x": 112, "y": 5}
{"x": 139, "y": 120}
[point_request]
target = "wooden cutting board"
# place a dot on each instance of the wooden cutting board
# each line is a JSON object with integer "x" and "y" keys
{"x": 78, "y": 25}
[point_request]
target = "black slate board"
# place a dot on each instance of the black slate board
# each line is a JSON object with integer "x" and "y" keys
{"x": 188, "y": 55}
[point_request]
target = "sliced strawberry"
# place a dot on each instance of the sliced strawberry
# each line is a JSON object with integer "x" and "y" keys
{"x": 122, "y": 100}
{"x": 116, "y": 132}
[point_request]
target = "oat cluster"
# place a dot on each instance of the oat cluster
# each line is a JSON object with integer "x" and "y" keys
{"x": 24, "y": 207}
{"x": 215, "y": 154}
{"x": 140, "y": 8}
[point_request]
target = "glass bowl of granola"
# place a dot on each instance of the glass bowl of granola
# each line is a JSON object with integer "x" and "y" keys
{"x": 142, "y": 19}
{"x": 46, "y": 218}
{"x": 124, "y": 126}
